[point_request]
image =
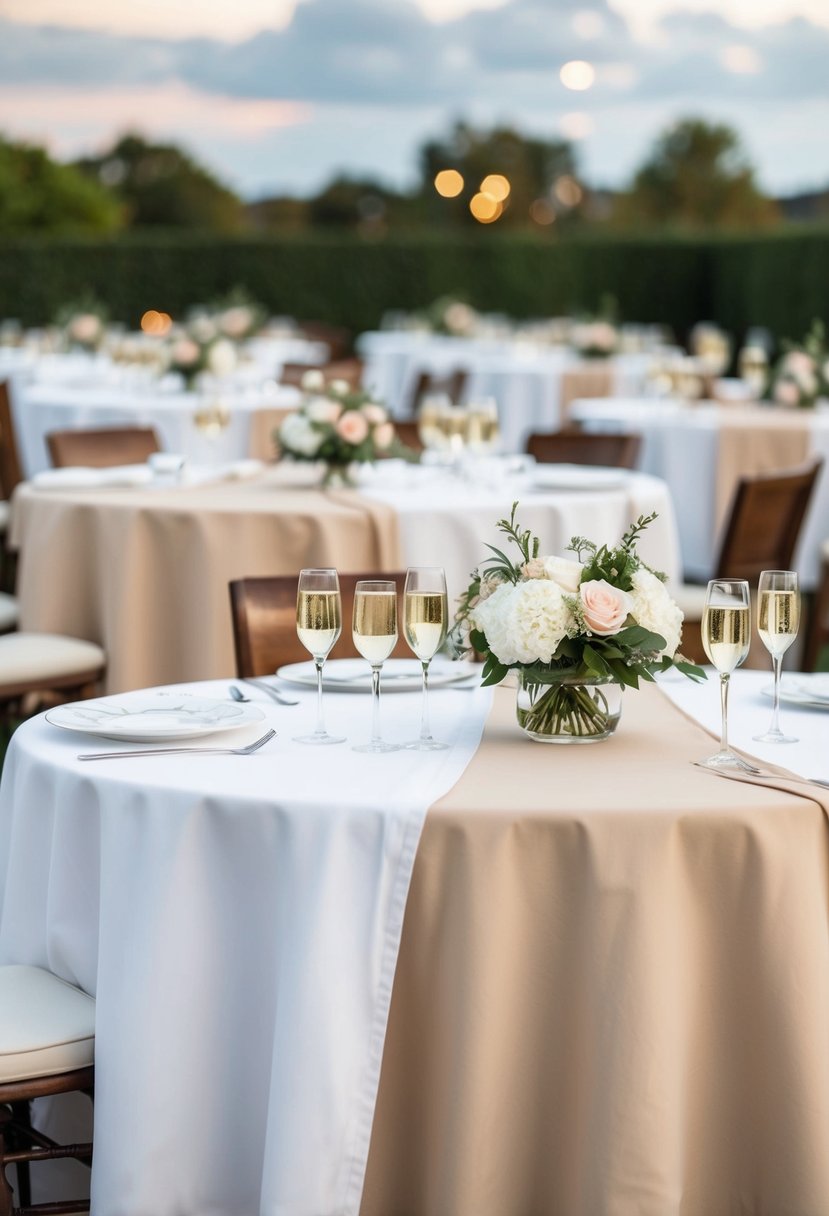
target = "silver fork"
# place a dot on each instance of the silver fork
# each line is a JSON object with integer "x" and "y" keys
{"x": 273, "y": 693}
{"x": 752, "y": 771}
{"x": 183, "y": 751}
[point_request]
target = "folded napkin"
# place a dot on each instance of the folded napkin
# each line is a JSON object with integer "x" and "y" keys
{"x": 237, "y": 470}
{"x": 84, "y": 478}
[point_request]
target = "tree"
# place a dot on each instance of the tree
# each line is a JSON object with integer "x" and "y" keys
{"x": 39, "y": 195}
{"x": 697, "y": 176}
{"x": 161, "y": 186}
{"x": 533, "y": 168}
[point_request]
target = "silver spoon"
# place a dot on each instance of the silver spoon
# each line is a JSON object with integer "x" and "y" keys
{"x": 184, "y": 751}
{"x": 238, "y": 695}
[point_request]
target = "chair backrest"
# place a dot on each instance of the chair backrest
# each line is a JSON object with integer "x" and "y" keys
{"x": 452, "y": 384}
{"x": 764, "y": 523}
{"x": 264, "y": 622}
{"x": 11, "y": 471}
{"x": 619, "y": 451}
{"x": 102, "y": 449}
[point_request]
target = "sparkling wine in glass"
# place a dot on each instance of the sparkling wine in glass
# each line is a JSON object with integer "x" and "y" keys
{"x": 319, "y": 622}
{"x": 374, "y": 629}
{"x": 778, "y": 619}
{"x": 726, "y": 633}
{"x": 425, "y": 622}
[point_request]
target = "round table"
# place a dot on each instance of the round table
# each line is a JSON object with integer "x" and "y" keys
{"x": 145, "y": 572}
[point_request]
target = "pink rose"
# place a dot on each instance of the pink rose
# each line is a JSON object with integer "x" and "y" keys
{"x": 352, "y": 427}
{"x": 786, "y": 393}
{"x": 186, "y": 352}
{"x": 383, "y": 436}
{"x": 606, "y": 608}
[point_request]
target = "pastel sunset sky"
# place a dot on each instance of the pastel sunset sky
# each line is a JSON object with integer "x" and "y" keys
{"x": 278, "y": 95}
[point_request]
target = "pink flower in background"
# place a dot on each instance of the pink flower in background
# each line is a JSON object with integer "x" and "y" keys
{"x": 383, "y": 436}
{"x": 374, "y": 413}
{"x": 606, "y": 607}
{"x": 352, "y": 427}
{"x": 185, "y": 352}
{"x": 786, "y": 392}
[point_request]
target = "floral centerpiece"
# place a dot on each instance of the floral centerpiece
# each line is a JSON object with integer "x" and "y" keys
{"x": 337, "y": 425}
{"x": 577, "y": 630}
{"x": 802, "y": 373}
{"x": 452, "y": 317}
{"x": 595, "y": 339}
{"x": 238, "y": 317}
{"x": 200, "y": 348}
{"x": 84, "y": 324}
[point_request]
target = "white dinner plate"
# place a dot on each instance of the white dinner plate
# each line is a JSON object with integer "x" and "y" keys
{"x": 399, "y": 675}
{"x": 153, "y": 717}
{"x": 577, "y": 477}
{"x": 798, "y": 691}
{"x": 814, "y": 686}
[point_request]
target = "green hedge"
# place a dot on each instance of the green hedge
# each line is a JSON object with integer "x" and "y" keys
{"x": 781, "y": 280}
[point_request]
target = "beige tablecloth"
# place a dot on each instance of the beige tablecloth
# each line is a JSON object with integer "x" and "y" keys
{"x": 612, "y": 995}
{"x": 147, "y": 573}
{"x": 756, "y": 440}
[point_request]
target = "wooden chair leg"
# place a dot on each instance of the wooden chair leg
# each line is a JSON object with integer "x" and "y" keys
{"x": 6, "y": 1193}
{"x": 22, "y": 1111}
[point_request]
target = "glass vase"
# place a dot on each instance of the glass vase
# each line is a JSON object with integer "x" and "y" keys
{"x": 568, "y": 711}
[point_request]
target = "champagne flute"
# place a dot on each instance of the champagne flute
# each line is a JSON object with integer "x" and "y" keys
{"x": 425, "y": 622}
{"x": 374, "y": 631}
{"x": 778, "y": 618}
{"x": 726, "y": 632}
{"x": 319, "y": 622}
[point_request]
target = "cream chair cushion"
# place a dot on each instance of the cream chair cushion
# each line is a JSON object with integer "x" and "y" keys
{"x": 8, "y": 613}
{"x": 46, "y": 1025}
{"x": 26, "y": 657}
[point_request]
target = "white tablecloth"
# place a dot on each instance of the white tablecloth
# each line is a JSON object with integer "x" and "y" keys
{"x": 524, "y": 378}
{"x": 680, "y": 444}
{"x": 238, "y": 920}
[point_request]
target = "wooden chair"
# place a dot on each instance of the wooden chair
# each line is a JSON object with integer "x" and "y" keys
{"x": 818, "y": 633}
{"x": 11, "y": 470}
{"x": 102, "y": 449}
{"x": 47, "y": 1045}
{"x": 264, "y": 622}
{"x": 335, "y": 337}
{"x": 762, "y": 532}
{"x": 32, "y": 663}
{"x": 407, "y": 433}
{"x": 452, "y": 384}
{"x": 620, "y": 451}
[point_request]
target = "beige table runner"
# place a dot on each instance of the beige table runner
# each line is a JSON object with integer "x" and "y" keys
{"x": 612, "y": 994}
{"x": 756, "y": 440}
{"x": 145, "y": 573}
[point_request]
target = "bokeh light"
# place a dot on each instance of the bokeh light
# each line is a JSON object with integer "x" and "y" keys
{"x": 576, "y": 125}
{"x": 542, "y": 212}
{"x": 742, "y": 60}
{"x": 156, "y": 323}
{"x": 449, "y": 183}
{"x": 496, "y": 186}
{"x": 485, "y": 208}
{"x": 567, "y": 191}
{"x": 577, "y": 75}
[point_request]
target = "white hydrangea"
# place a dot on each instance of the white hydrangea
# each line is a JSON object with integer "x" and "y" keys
{"x": 524, "y": 623}
{"x": 221, "y": 357}
{"x": 654, "y": 609}
{"x": 297, "y": 435}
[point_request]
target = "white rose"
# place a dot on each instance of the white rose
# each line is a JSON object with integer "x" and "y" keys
{"x": 298, "y": 435}
{"x": 86, "y": 328}
{"x": 320, "y": 409}
{"x": 203, "y": 329}
{"x": 654, "y": 609}
{"x": 313, "y": 380}
{"x": 459, "y": 318}
{"x": 564, "y": 571}
{"x": 339, "y": 387}
{"x": 221, "y": 358}
{"x": 375, "y": 414}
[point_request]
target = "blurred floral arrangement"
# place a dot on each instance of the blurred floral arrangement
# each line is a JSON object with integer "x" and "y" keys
{"x": 597, "y": 339}
{"x": 602, "y": 616}
{"x": 801, "y": 375}
{"x": 452, "y": 317}
{"x": 237, "y": 316}
{"x": 83, "y": 323}
{"x": 336, "y": 424}
{"x": 196, "y": 349}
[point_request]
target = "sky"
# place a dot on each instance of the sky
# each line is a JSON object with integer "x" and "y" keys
{"x": 276, "y": 96}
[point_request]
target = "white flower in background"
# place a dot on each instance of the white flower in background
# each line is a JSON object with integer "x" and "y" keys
{"x": 298, "y": 435}
{"x": 525, "y": 622}
{"x": 339, "y": 387}
{"x": 654, "y": 609}
{"x": 236, "y": 322}
{"x": 565, "y": 572}
{"x": 786, "y": 393}
{"x": 322, "y": 409}
{"x": 313, "y": 381}
{"x": 221, "y": 357}
{"x": 203, "y": 329}
{"x": 373, "y": 413}
{"x": 599, "y": 336}
{"x": 460, "y": 319}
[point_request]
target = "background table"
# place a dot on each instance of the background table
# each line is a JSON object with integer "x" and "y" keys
{"x": 146, "y": 572}
{"x": 686, "y": 445}
{"x": 611, "y": 996}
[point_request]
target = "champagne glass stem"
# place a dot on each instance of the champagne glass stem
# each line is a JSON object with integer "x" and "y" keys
{"x": 318, "y": 663}
{"x": 425, "y": 733}
{"x": 777, "y": 663}
{"x": 375, "y": 705}
{"x": 724, "y": 677}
